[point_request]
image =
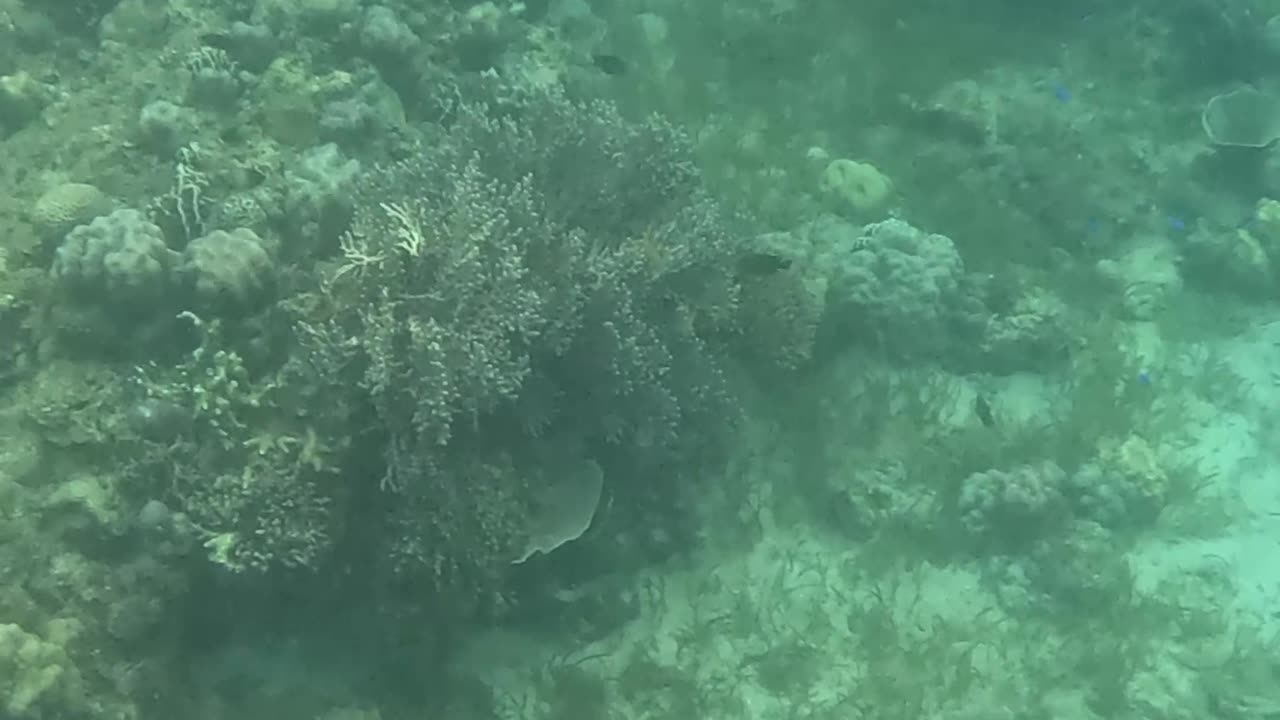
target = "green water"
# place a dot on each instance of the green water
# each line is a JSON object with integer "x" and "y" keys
{"x": 639, "y": 360}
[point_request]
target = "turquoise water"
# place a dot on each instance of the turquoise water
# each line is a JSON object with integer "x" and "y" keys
{"x": 638, "y": 360}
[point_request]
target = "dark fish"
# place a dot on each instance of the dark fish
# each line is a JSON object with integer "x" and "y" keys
{"x": 983, "y": 410}
{"x": 609, "y": 64}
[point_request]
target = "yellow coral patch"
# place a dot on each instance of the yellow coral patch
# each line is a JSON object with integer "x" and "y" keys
{"x": 855, "y": 185}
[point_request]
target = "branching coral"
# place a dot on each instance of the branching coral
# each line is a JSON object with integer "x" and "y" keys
{"x": 253, "y": 475}
{"x": 544, "y": 289}
{"x": 545, "y": 266}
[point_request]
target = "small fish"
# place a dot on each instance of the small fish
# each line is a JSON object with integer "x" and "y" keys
{"x": 1176, "y": 223}
{"x": 982, "y": 409}
{"x": 609, "y": 64}
{"x": 1061, "y": 92}
{"x": 1144, "y": 377}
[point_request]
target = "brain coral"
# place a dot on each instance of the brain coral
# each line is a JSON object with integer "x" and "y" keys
{"x": 65, "y": 206}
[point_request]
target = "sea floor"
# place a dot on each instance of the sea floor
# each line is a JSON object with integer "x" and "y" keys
{"x": 793, "y": 620}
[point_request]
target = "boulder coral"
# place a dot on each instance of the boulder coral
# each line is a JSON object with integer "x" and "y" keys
{"x": 228, "y": 272}
{"x": 118, "y": 260}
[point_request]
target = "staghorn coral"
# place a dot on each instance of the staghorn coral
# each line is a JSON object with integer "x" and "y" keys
{"x": 541, "y": 244}
{"x": 564, "y": 232}
{"x": 460, "y": 310}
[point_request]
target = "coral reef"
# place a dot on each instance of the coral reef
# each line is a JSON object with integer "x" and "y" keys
{"x": 855, "y": 187}
{"x": 228, "y": 272}
{"x": 1126, "y": 486}
{"x": 1239, "y": 259}
{"x": 1032, "y": 332}
{"x": 77, "y": 619}
{"x": 39, "y": 680}
{"x": 1013, "y": 507}
{"x": 1078, "y": 569}
{"x": 779, "y": 313}
{"x": 403, "y": 327}
{"x": 77, "y": 16}
{"x": 1230, "y": 259}
{"x": 895, "y": 285}
{"x": 164, "y": 127}
{"x": 257, "y": 496}
{"x": 22, "y": 97}
{"x": 867, "y": 501}
{"x": 215, "y": 80}
{"x": 1146, "y": 277}
{"x": 545, "y": 257}
{"x": 317, "y": 201}
{"x": 66, "y": 205}
{"x": 119, "y": 261}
